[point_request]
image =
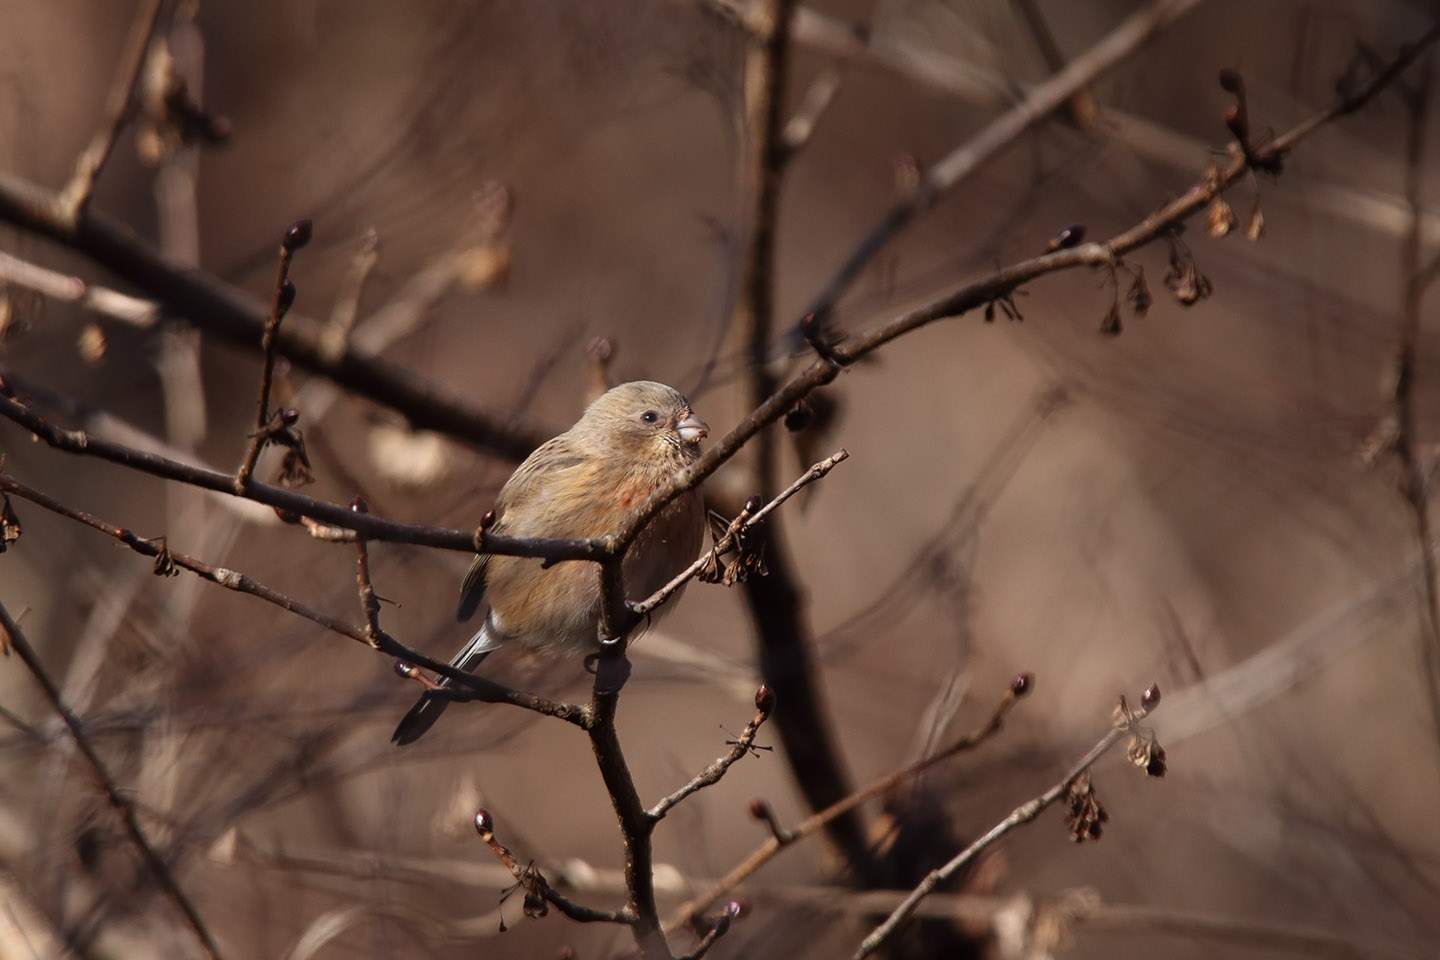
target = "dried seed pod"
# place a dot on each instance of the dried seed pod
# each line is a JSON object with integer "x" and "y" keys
{"x": 1255, "y": 223}
{"x": 1219, "y": 218}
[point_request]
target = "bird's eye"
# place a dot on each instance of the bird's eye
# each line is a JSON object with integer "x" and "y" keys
{"x": 650, "y": 416}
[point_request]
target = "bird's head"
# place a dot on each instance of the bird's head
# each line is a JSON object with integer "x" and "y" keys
{"x": 647, "y": 422}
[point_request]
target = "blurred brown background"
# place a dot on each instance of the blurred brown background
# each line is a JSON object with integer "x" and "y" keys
{"x": 1181, "y": 504}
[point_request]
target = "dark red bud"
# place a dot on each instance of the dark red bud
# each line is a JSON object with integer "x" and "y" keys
{"x": 765, "y": 699}
{"x": 298, "y": 235}
{"x": 1022, "y": 683}
{"x": 483, "y": 823}
{"x": 737, "y": 908}
{"x": 752, "y": 505}
{"x": 287, "y": 516}
{"x": 358, "y": 505}
{"x": 759, "y": 809}
{"x": 487, "y": 521}
{"x": 1150, "y": 697}
{"x": 287, "y": 297}
{"x": 290, "y": 417}
{"x": 1068, "y": 237}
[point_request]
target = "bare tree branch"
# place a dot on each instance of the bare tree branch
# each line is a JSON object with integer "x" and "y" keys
{"x": 123, "y": 808}
{"x": 72, "y": 201}
{"x": 780, "y": 839}
{"x": 740, "y": 746}
{"x": 1125, "y": 724}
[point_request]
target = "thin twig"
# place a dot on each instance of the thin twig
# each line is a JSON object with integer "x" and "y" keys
{"x": 537, "y": 889}
{"x": 740, "y": 746}
{"x": 71, "y": 202}
{"x": 744, "y": 522}
{"x": 123, "y": 808}
{"x": 1020, "y": 816}
{"x": 369, "y": 601}
{"x": 779, "y": 840}
{"x": 167, "y": 560}
{"x": 282, "y": 296}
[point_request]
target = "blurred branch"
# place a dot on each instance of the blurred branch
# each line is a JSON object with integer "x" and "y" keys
{"x": 775, "y": 601}
{"x": 68, "y": 288}
{"x": 802, "y": 123}
{"x": 780, "y": 839}
{"x": 1084, "y": 107}
{"x": 229, "y": 314}
{"x": 1125, "y": 724}
{"x": 283, "y": 295}
{"x": 1039, "y": 103}
{"x": 167, "y": 561}
{"x": 123, "y": 808}
{"x": 72, "y": 201}
{"x": 1416, "y": 464}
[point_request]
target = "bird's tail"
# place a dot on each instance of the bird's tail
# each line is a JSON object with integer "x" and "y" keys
{"x": 428, "y": 708}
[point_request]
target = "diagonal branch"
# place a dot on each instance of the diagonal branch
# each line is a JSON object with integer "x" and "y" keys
{"x": 1021, "y": 815}
{"x": 72, "y": 201}
{"x": 123, "y": 808}
{"x": 779, "y": 840}
{"x": 963, "y": 161}
{"x": 711, "y": 775}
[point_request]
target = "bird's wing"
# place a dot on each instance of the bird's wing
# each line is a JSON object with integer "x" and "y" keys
{"x": 529, "y": 481}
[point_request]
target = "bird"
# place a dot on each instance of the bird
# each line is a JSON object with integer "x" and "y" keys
{"x": 629, "y": 442}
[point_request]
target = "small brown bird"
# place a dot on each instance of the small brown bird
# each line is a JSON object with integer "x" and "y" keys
{"x": 583, "y": 483}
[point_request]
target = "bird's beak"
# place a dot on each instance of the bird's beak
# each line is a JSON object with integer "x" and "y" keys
{"x": 692, "y": 429}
